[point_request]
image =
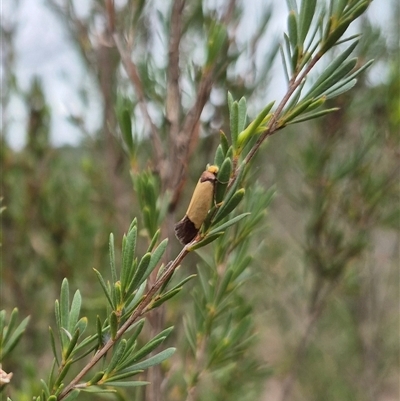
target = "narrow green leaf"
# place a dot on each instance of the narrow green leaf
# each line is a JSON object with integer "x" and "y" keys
{"x": 306, "y": 117}
{"x": 99, "y": 330}
{"x": 205, "y": 285}
{"x": 155, "y": 259}
{"x": 127, "y": 384}
{"x": 219, "y": 156}
{"x": 337, "y": 7}
{"x": 307, "y": 11}
{"x": 81, "y": 325}
{"x": 122, "y": 376}
{"x": 98, "y": 390}
{"x": 349, "y": 78}
{"x": 147, "y": 349}
{"x": 245, "y": 135}
{"x": 113, "y": 319}
{"x": 126, "y": 129}
{"x": 75, "y": 311}
{"x": 223, "y": 286}
{"x": 96, "y": 378}
{"x": 230, "y": 102}
{"x": 134, "y": 299}
{"x": 234, "y": 123}
{"x": 242, "y": 114}
{"x": 2, "y": 323}
{"x": 53, "y": 345}
{"x": 292, "y": 5}
{"x": 292, "y": 29}
{"x": 295, "y": 98}
{"x": 332, "y": 67}
{"x": 12, "y": 341}
{"x": 190, "y": 335}
{"x": 72, "y": 395}
{"x": 45, "y": 388}
{"x": 205, "y": 241}
{"x": 223, "y": 140}
{"x": 299, "y": 109}
{"x": 166, "y": 332}
{"x": 117, "y": 356}
{"x": 154, "y": 240}
{"x": 152, "y": 361}
{"x": 63, "y": 373}
{"x": 295, "y": 58}
{"x": 9, "y": 328}
{"x": 284, "y": 63}
{"x": 57, "y": 314}
{"x": 64, "y": 303}
{"x": 104, "y": 287}
{"x": 357, "y": 10}
{"x": 223, "y": 179}
{"x": 71, "y": 345}
{"x": 181, "y": 284}
{"x": 229, "y": 206}
{"x": 334, "y": 36}
{"x": 112, "y": 258}
{"x": 127, "y": 257}
{"x": 229, "y": 223}
{"x": 339, "y": 89}
{"x": 163, "y": 298}
{"x": 140, "y": 272}
{"x": 340, "y": 73}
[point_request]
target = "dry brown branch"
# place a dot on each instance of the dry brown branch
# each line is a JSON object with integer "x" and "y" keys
{"x": 131, "y": 70}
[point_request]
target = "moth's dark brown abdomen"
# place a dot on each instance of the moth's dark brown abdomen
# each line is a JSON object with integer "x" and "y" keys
{"x": 185, "y": 230}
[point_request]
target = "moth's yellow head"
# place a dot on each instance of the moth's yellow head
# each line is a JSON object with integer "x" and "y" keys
{"x": 212, "y": 169}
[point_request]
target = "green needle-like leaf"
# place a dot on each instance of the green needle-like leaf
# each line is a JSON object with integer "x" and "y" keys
{"x": 112, "y": 258}
{"x": 234, "y": 123}
{"x": 127, "y": 257}
{"x": 105, "y": 289}
{"x": 117, "y": 356}
{"x": 242, "y": 114}
{"x": 307, "y": 11}
{"x": 140, "y": 272}
{"x": 205, "y": 241}
{"x": 127, "y": 383}
{"x": 152, "y": 361}
{"x": 96, "y": 378}
{"x": 229, "y": 223}
{"x": 113, "y": 319}
{"x": 72, "y": 395}
{"x": 53, "y": 345}
{"x": 229, "y": 206}
{"x": 165, "y": 297}
{"x": 292, "y": 28}
{"x": 72, "y": 344}
{"x": 224, "y": 174}
{"x": 64, "y": 304}
{"x": 75, "y": 311}
{"x": 223, "y": 142}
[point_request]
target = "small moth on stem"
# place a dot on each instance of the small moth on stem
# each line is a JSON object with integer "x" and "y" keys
{"x": 202, "y": 198}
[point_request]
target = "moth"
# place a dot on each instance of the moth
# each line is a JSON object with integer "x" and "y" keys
{"x": 202, "y": 198}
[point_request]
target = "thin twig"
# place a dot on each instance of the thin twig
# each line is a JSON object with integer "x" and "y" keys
{"x": 173, "y": 101}
{"x": 272, "y": 124}
{"x": 133, "y": 75}
{"x": 139, "y": 311}
{"x": 131, "y": 70}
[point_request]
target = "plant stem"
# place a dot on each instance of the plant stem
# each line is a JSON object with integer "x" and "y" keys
{"x": 139, "y": 311}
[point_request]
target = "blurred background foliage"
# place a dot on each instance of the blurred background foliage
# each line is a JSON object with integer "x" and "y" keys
{"x": 322, "y": 285}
